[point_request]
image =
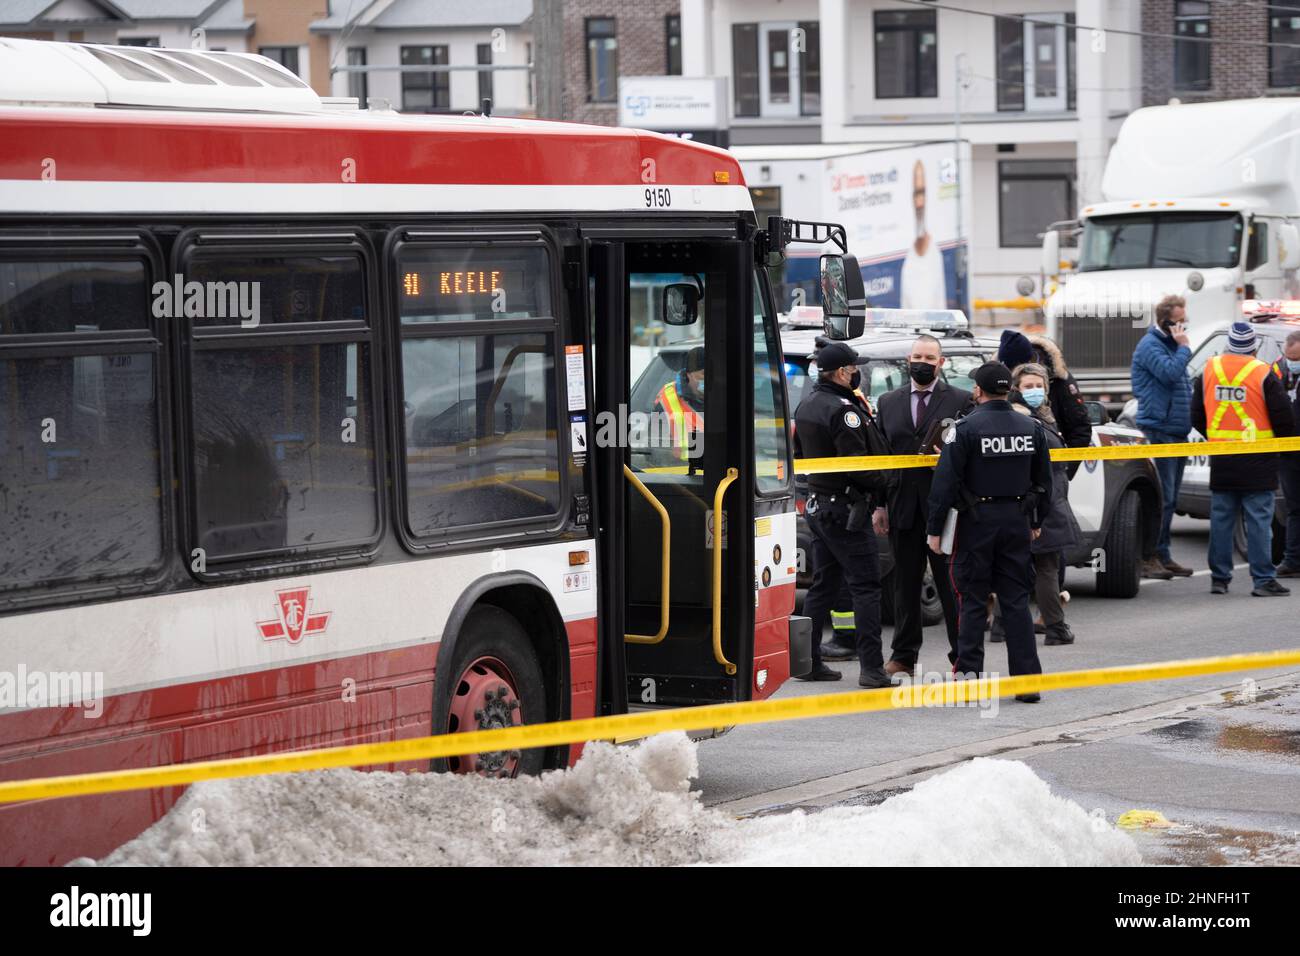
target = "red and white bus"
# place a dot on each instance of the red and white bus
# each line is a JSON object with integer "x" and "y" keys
{"x": 315, "y": 428}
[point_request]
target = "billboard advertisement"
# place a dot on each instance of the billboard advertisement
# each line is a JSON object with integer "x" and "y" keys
{"x": 899, "y": 208}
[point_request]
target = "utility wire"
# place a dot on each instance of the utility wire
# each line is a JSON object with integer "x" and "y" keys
{"x": 1024, "y": 18}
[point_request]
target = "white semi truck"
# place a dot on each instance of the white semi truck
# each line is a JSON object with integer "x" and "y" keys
{"x": 1201, "y": 200}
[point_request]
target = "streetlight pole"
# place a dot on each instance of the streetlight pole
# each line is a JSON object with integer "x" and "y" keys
{"x": 959, "y": 67}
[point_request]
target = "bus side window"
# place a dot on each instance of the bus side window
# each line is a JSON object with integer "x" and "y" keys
{"x": 284, "y": 457}
{"x": 479, "y": 394}
{"x": 80, "y": 457}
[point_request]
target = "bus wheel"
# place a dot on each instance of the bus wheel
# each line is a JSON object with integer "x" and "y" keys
{"x": 498, "y": 684}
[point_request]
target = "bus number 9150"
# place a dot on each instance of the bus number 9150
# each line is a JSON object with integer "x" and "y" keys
{"x": 658, "y": 198}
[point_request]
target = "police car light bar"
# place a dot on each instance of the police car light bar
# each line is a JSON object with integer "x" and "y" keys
{"x": 804, "y": 317}
{"x": 1263, "y": 308}
{"x": 918, "y": 320}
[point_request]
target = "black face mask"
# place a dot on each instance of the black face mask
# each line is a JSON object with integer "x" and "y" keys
{"x": 922, "y": 372}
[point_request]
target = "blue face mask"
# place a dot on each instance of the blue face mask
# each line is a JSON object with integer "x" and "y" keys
{"x": 1294, "y": 366}
{"x": 1034, "y": 396}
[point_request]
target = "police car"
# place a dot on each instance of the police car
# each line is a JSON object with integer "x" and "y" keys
{"x": 1117, "y": 504}
{"x": 1273, "y": 322}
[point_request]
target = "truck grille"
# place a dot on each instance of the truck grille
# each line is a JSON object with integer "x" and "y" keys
{"x": 1091, "y": 343}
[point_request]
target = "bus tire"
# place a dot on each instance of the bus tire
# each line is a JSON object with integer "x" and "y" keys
{"x": 498, "y": 683}
{"x": 1123, "y": 552}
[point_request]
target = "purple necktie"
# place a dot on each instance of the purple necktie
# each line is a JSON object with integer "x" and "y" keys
{"x": 920, "y": 407}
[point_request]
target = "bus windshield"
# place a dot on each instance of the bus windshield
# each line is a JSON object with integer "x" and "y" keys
{"x": 1199, "y": 240}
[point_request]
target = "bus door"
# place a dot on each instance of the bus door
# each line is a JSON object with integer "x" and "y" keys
{"x": 671, "y": 433}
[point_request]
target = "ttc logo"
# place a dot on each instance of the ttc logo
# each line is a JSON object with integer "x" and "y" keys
{"x": 294, "y": 621}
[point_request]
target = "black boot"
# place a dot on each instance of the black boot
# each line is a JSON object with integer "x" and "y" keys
{"x": 821, "y": 672}
{"x": 1059, "y": 634}
{"x": 833, "y": 650}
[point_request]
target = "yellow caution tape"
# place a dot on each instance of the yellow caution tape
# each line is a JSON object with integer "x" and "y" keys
{"x": 625, "y": 726}
{"x": 817, "y": 466}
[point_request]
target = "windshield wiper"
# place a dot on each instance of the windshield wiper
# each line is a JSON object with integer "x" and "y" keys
{"x": 1181, "y": 262}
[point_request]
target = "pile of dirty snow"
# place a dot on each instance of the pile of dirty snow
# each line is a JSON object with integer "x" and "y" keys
{"x": 618, "y": 806}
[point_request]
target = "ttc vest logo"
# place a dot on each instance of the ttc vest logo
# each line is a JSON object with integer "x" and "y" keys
{"x": 294, "y": 622}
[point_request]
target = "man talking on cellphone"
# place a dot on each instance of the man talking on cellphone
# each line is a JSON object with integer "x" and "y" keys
{"x": 1164, "y": 394}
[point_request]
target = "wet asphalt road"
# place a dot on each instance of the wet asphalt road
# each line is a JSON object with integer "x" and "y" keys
{"x": 1166, "y": 621}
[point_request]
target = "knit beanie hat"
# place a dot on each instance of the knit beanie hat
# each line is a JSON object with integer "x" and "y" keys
{"x": 1241, "y": 338}
{"x": 1015, "y": 349}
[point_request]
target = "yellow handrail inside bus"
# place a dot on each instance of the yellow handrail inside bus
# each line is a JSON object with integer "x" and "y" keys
{"x": 666, "y": 537}
{"x": 718, "y": 527}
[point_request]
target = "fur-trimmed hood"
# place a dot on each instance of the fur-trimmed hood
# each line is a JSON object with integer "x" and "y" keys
{"x": 1052, "y": 356}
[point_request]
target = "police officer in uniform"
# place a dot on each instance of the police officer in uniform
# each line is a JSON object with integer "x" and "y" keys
{"x": 832, "y": 421}
{"x": 996, "y": 471}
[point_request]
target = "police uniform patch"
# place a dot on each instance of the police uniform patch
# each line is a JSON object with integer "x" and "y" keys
{"x": 852, "y": 420}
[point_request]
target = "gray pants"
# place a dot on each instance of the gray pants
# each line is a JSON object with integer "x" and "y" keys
{"x": 1047, "y": 587}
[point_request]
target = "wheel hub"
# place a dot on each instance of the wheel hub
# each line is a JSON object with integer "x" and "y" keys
{"x": 485, "y": 698}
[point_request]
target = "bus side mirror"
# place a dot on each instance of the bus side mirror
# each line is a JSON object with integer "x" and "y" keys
{"x": 1051, "y": 263}
{"x": 681, "y": 304}
{"x": 1288, "y": 246}
{"x": 844, "y": 297}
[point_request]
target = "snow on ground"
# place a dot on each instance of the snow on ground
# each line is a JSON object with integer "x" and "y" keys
{"x": 618, "y": 806}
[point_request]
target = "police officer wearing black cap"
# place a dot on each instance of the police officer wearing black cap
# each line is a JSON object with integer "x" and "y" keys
{"x": 995, "y": 469}
{"x": 832, "y": 421}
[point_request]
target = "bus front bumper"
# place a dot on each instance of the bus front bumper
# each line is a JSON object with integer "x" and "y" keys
{"x": 800, "y": 645}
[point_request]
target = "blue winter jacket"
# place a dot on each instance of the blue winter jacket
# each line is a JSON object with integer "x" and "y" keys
{"x": 1161, "y": 385}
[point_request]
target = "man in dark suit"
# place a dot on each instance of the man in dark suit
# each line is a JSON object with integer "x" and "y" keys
{"x": 910, "y": 416}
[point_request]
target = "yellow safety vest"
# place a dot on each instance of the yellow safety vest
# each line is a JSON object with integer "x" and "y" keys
{"x": 681, "y": 416}
{"x": 1234, "y": 399}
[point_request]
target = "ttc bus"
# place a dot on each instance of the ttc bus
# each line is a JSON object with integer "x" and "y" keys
{"x": 301, "y": 410}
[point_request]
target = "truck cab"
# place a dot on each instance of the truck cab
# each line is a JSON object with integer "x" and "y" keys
{"x": 1201, "y": 201}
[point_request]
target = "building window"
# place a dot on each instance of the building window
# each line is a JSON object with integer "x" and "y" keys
{"x": 810, "y": 69}
{"x": 1010, "y": 38}
{"x": 140, "y": 41}
{"x": 1192, "y": 56}
{"x": 1284, "y": 27}
{"x": 602, "y": 60}
{"x": 744, "y": 68}
{"x": 1071, "y": 59}
{"x": 673, "y": 41}
{"x": 425, "y": 92}
{"x": 907, "y": 62}
{"x": 531, "y": 78}
{"x": 1031, "y": 194}
{"x": 776, "y": 69}
{"x": 286, "y": 56}
{"x": 357, "y": 82}
{"x": 1035, "y": 62}
{"x": 483, "y": 53}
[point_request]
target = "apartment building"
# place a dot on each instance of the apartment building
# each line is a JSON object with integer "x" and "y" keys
{"x": 1039, "y": 102}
